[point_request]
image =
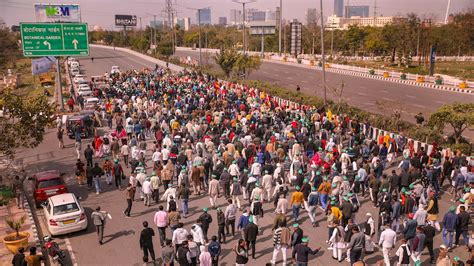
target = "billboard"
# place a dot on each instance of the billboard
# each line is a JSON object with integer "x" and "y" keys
{"x": 57, "y": 13}
{"x": 125, "y": 20}
{"x": 42, "y": 65}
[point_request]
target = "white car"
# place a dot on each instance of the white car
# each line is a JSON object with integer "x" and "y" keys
{"x": 79, "y": 79}
{"x": 64, "y": 214}
{"x": 91, "y": 100}
{"x": 74, "y": 64}
{"x": 84, "y": 90}
{"x": 75, "y": 71}
{"x": 115, "y": 69}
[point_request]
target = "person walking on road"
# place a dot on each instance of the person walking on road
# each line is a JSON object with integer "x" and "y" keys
{"x": 88, "y": 154}
{"x": 161, "y": 221}
{"x": 301, "y": 251}
{"x": 241, "y": 252}
{"x": 107, "y": 167}
{"x": 147, "y": 192}
{"x": 117, "y": 171}
{"x": 168, "y": 254}
{"x": 251, "y": 233}
{"x": 97, "y": 173}
{"x": 78, "y": 148}
{"x": 129, "y": 191}
{"x": 214, "y": 248}
{"x": 60, "y": 135}
{"x": 146, "y": 242}
{"x": 34, "y": 259}
{"x": 387, "y": 241}
{"x": 281, "y": 241}
{"x": 213, "y": 190}
{"x": 98, "y": 218}
{"x": 205, "y": 220}
{"x": 19, "y": 192}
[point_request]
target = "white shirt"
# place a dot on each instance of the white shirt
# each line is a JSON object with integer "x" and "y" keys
{"x": 146, "y": 187}
{"x": 156, "y": 156}
{"x": 165, "y": 154}
{"x": 124, "y": 150}
{"x": 388, "y": 238}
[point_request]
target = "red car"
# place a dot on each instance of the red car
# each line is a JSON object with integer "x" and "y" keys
{"x": 47, "y": 184}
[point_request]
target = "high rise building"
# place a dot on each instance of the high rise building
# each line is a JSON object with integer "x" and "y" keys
{"x": 270, "y": 15}
{"x": 338, "y": 8}
{"x": 311, "y": 16}
{"x": 356, "y": 11}
{"x": 223, "y": 21}
{"x": 205, "y": 16}
{"x": 258, "y": 16}
{"x": 235, "y": 17}
{"x": 183, "y": 23}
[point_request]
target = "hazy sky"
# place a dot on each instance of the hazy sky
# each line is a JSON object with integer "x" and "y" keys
{"x": 102, "y": 12}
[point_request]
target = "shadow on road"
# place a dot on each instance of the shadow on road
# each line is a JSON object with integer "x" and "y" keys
{"x": 118, "y": 234}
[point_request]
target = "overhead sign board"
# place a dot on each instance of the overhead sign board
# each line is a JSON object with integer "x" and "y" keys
{"x": 54, "y": 39}
{"x": 125, "y": 20}
{"x": 57, "y": 13}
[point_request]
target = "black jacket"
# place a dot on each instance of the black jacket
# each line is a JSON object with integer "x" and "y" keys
{"x": 205, "y": 219}
{"x": 251, "y": 232}
{"x": 463, "y": 221}
{"x": 146, "y": 237}
{"x": 429, "y": 232}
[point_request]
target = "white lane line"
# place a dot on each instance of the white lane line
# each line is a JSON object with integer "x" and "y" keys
{"x": 418, "y": 105}
{"x": 441, "y": 102}
{"x": 410, "y": 96}
{"x": 386, "y": 99}
{"x": 363, "y": 94}
{"x": 69, "y": 249}
{"x": 384, "y": 91}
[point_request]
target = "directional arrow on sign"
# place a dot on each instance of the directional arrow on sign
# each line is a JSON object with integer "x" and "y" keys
{"x": 75, "y": 43}
{"x": 48, "y": 44}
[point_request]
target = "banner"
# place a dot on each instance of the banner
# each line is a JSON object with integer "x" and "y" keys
{"x": 42, "y": 65}
{"x": 57, "y": 13}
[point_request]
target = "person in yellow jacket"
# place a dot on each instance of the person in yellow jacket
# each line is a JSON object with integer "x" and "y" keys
{"x": 296, "y": 202}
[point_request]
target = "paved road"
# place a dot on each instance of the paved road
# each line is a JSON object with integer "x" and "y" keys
{"x": 121, "y": 235}
{"x": 360, "y": 92}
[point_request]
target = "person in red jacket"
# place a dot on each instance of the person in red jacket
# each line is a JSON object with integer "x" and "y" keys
{"x": 70, "y": 104}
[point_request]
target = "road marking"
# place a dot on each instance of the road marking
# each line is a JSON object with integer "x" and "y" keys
{"x": 386, "y": 99}
{"x": 363, "y": 94}
{"x": 384, "y": 91}
{"x": 69, "y": 249}
{"x": 418, "y": 105}
{"x": 441, "y": 102}
{"x": 410, "y": 96}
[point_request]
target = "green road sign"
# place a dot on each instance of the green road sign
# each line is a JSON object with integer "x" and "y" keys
{"x": 54, "y": 39}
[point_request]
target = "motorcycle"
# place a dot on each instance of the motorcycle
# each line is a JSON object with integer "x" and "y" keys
{"x": 57, "y": 255}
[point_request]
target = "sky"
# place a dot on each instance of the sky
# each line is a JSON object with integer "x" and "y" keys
{"x": 101, "y": 12}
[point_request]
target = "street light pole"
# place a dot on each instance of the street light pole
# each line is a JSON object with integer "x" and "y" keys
{"x": 199, "y": 24}
{"x": 323, "y": 62}
{"x": 243, "y": 2}
{"x": 279, "y": 28}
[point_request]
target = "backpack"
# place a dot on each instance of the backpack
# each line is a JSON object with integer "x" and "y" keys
{"x": 172, "y": 205}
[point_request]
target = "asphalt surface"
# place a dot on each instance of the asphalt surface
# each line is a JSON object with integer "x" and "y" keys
{"x": 121, "y": 246}
{"x": 364, "y": 93}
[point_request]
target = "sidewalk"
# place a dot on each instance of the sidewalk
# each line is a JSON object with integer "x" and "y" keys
{"x": 12, "y": 211}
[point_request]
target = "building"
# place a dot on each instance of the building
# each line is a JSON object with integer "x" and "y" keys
{"x": 311, "y": 16}
{"x": 338, "y": 23}
{"x": 235, "y": 17}
{"x": 338, "y": 8}
{"x": 156, "y": 24}
{"x": 296, "y": 30}
{"x": 223, "y": 21}
{"x": 183, "y": 23}
{"x": 356, "y": 11}
{"x": 205, "y": 16}
{"x": 270, "y": 15}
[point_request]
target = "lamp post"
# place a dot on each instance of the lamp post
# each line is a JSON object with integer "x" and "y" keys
{"x": 279, "y": 28}
{"x": 243, "y": 2}
{"x": 323, "y": 61}
{"x": 199, "y": 24}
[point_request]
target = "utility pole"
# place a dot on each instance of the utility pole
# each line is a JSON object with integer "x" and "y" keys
{"x": 375, "y": 11}
{"x": 169, "y": 11}
{"x": 323, "y": 61}
{"x": 279, "y": 28}
{"x": 243, "y": 2}
{"x": 154, "y": 30}
{"x": 447, "y": 12}
{"x": 200, "y": 33}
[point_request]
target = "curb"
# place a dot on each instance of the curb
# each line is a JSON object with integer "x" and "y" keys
{"x": 33, "y": 225}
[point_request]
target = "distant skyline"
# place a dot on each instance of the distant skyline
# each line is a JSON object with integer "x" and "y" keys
{"x": 101, "y": 12}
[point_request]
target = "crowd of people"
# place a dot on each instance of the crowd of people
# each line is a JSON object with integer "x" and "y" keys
{"x": 184, "y": 135}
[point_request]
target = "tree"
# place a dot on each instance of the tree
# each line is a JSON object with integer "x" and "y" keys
{"x": 9, "y": 48}
{"x": 246, "y": 63}
{"x": 459, "y": 116}
{"x": 24, "y": 121}
{"x": 226, "y": 59}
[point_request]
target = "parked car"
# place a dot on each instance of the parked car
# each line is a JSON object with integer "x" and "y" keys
{"x": 79, "y": 79}
{"x": 84, "y": 90}
{"x": 74, "y": 64}
{"x": 64, "y": 214}
{"x": 47, "y": 184}
{"x": 84, "y": 122}
{"x": 75, "y": 71}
